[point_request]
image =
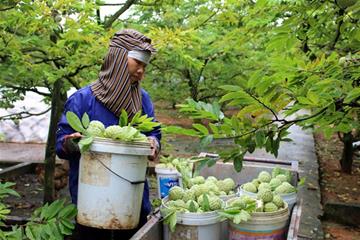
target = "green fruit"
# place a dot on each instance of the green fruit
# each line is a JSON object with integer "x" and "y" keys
{"x": 280, "y": 171}
{"x": 237, "y": 202}
{"x": 249, "y": 187}
{"x": 278, "y": 201}
{"x": 197, "y": 180}
{"x": 215, "y": 203}
{"x": 95, "y": 132}
{"x": 211, "y": 179}
{"x": 264, "y": 186}
{"x": 176, "y": 204}
{"x": 192, "y": 205}
{"x": 222, "y": 193}
{"x": 226, "y": 185}
{"x": 270, "y": 207}
{"x": 285, "y": 188}
{"x": 113, "y": 131}
{"x": 274, "y": 183}
{"x": 282, "y": 178}
{"x": 256, "y": 182}
{"x": 97, "y": 124}
{"x": 96, "y": 129}
{"x": 189, "y": 195}
{"x": 264, "y": 176}
{"x": 176, "y": 193}
{"x": 265, "y": 195}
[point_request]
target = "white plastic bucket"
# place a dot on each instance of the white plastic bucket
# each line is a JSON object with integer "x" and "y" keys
{"x": 166, "y": 179}
{"x": 195, "y": 226}
{"x": 111, "y": 184}
{"x": 290, "y": 198}
{"x": 262, "y": 225}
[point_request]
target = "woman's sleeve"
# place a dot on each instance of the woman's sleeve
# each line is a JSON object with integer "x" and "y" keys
{"x": 64, "y": 128}
{"x": 148, "y": 108}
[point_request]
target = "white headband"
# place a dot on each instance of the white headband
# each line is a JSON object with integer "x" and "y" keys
{"x": 143, "y": 56}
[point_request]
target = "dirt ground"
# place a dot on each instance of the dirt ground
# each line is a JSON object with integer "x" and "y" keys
{"x": 337, "y": 186}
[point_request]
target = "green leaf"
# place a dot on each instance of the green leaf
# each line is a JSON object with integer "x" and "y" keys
{"x": 29, "y": 233}
{"x": 53, "y": 209}
{"x": 68, "y": 211}
{"x": 206, "y": 140}
{"x": 232, "y": 88}
{"x": 171, "y": 220}
{"x": 192, "y": 207}
{"x": 85, "y": 143}
{"x": 238, "y": 162}
{"x": 201, "y": 128}
{"x": 304, "y": 101}
{"x": 242, "y": 97}
{"x": 260, "y": 138}
{"x": 313, "y": 97}
{"x": 74, "y": 122}
{"x": 180, "y": 130}
{"x": 354, "y": 94}
{"x": 135, "y": 119}
{"x": 85, "y": 120}
{"x": 301, "y": 181}
{"x": 67, "y": 223}
{"x": 205, "y": 205}
{"x": 214, "y": 128}
{"x": 123, "y": 121}
{"x": 64, "y": 230}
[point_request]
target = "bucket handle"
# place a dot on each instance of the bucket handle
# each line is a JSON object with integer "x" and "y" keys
{"x": 123, "y": 178}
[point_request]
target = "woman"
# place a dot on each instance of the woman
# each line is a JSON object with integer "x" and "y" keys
{"x": 117, "y": 88}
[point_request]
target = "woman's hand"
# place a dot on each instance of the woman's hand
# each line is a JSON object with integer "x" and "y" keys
{"x": 70, "y": 142}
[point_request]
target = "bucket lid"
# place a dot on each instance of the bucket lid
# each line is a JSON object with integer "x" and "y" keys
{"x": 167, "y": 171}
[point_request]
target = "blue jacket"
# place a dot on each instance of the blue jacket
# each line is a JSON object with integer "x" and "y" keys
{"x": 84, "y": 101}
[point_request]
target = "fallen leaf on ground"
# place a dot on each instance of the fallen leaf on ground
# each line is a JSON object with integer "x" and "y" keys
{"x": 311, "y": 186}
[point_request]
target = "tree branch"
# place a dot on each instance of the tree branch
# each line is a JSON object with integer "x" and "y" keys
{"x": 33, "y": 49}
{"x": 286, "y": 123}
{"x": 206, "y": 20}
{"x": 77, "y": 70}
{"x": 113, "y": 18}
{"x": 32, "y": 89}
{"x": 263, "y": 104}
{"x": 22, "y": 115}
{"x": 45, "y": 60}
{"x": 72, "y": 82}
{"x": 337, "y": 33}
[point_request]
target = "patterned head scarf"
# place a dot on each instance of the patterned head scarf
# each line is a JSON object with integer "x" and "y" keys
{"x": 114, "y": 88}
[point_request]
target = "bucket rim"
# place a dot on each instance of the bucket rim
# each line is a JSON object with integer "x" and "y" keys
{"x": 208, "y": 214}
{"x": 118, "y": 142}
{"x": 282, "y": 210}
{"x": 166, "y": 170}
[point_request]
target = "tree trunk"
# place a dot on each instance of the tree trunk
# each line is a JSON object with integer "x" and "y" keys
{"x": 347, "y": 154}
{"x": 57, "y": 105}
{"x": 193, "y": 85}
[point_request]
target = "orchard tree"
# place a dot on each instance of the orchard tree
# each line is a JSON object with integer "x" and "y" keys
{"x": 198, "y": 47}
{"x": 298, "y": 55}
{"x": 51, "y": 44}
